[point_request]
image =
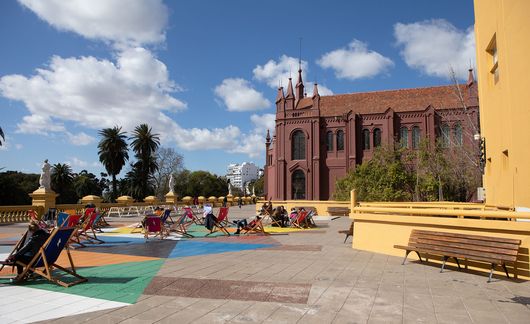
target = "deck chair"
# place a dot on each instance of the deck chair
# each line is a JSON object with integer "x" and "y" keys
{"x": 219, "y": 225}
{"x": 17, "y": 247}
{"x": 43, "y": 263}
{"x": 299, "y": 220}
{"x": 86, "y": 229}
{"x": 153, "y": 225}
{"x": 102, "y": 222}
{"x": 192, "y": 216}
{"x": 62, "y": 219}
{"x": 33, "y": 216}
{"x": 166, "y": 217}
{"x": 254, "y": 227}
{"x": 181, "y": 226}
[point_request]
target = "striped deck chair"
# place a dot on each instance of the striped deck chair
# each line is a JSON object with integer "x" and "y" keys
{"x": 43, "y": 263}
{"x": 219, "y": 226}
{"x": 300, "y": 220}
{"x": 153, "y": 225}
{"x": 192, "y": 216}
{"x": 35, "y": 217}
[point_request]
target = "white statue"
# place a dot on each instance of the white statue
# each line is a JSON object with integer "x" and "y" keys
{"x": 229, "y": 188}
{"x": 253, "y": 190}
{"x": 45, "y": 176}
{"x": 171, "y": 182}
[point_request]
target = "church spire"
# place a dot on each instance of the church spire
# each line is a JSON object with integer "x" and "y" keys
{"x": 290, "y": 93}
{"x": 280, "y": 95}
{"x": 470, "y": 78}
{"x": 300, "y": 84}
{"x": 315, "y": 91}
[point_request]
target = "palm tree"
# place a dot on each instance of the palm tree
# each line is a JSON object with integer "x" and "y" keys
{"x": 62, "y": 182}
{"x": 112, "y": 151}
{"x": 144, "y": 144}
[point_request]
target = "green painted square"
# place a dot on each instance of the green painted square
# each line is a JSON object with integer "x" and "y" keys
{"x": 123, "y": 282}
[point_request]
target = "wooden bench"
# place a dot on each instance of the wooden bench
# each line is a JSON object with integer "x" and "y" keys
{"x": 348, "y": 232}
{"x": 338, "y": 211}
{"x": 493, "y": 250}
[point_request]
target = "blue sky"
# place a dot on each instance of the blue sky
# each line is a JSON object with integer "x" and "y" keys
{"x": 203, "y": 74}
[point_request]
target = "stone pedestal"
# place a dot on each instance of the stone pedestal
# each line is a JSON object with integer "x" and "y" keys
{"x": 171, "y": 198}
{"x": 229, "y": 199}
{"x": 151, "y": 200}
{"x": 126, "y": 200}
{"x": 91, "y": 199}
{"x": 43, "y": 197}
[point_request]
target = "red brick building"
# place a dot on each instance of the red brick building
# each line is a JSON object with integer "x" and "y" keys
{"x": 318, "y": 139}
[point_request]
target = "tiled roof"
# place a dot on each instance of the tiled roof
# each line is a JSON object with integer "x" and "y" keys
{"x": 403, "y": 100}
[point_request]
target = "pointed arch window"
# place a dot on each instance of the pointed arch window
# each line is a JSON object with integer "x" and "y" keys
{"x": 416, "y": 137}
{"x": 298, "y": 145}
{"x": 329, "y": 141}
{"x": 340, "y": 140}
{"x": 377, "y": 137}
{"x": 298, "y": 184}
{"x": 404, "y": 137}
{"x": 366, "y": 139}
{"x": 445, "y": 133}
{"x": 457, "y": 134}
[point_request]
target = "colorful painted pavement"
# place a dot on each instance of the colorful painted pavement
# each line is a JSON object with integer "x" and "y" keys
{"x": 123, "y": 268}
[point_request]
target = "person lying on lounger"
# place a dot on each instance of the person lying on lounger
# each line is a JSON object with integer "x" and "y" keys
{"x": 35, "y": 238}
{"x": 242, "y": 224}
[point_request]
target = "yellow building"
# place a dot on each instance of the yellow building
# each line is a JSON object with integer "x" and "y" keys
{"x": 502, "y": 30}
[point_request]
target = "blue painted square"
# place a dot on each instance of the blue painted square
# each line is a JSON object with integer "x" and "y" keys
{"x": 190, "y": 248}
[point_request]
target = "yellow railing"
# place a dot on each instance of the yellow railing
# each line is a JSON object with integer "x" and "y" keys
{"x": 17, "y": 214}
{"x": 453, "y": 211}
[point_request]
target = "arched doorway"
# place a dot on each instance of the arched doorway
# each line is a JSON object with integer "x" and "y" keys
{"x": 298, "y": 184}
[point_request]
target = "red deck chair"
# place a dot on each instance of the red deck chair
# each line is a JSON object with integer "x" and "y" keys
{"x": 299, "y": 221}
{"x": 153, "y": 225}
{"x": 192, "y": 216}
{"x": 86, "y": 229}
{"x": 218, "y": 226}
{"x": 254, "y": 227}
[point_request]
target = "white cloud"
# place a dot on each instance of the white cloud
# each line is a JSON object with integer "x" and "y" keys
{"x": 435, "y": 46}
{"x": 238, "y": 95}
{"x": 355, "y": 61}
{"x": 77, "y": 162}
{"x": 273, "y": 72}
{"x": 254, "y": 143}
{"x": 93, "y": 93}
{"x": 117, "y": 21}
{"x": 80, "y": 139}
{"x": 322, "y": 90}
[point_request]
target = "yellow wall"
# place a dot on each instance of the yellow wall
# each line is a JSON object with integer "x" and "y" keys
{"x": 380, "y": 232}
{"x": 505, "y": 105}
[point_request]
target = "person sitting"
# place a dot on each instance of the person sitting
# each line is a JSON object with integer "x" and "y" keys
{"x": 35, "y": 238}
{"x": 279, "y": 217}
{"x": 242, "y": 224}
{"x": 209, "y": 217}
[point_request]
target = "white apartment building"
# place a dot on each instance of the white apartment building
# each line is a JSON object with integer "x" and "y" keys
{"x": 240, "y": 174}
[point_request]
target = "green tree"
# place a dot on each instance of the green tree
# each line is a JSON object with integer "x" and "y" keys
{"x": 258, "y": 185}
{"x": 199, "y": 183}
{"x": 15, "y": 187}
{"x": 144, "y": 144}
{"x": 86, "y": 183}
{"x": 62, "y": 183}
{"x": 112, "y": 151}
{"x": 385, "y": 177}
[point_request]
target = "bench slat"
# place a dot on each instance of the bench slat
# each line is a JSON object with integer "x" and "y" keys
{"x": 459, "y": 256}
{"x": 474, "y": 242}
{"x": 448, "y": 251}
{"x": 470, "y": 247}
{"x": 479, "y": 237}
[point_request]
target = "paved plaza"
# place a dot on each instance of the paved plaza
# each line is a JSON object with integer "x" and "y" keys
{"x": 290, "y": 276}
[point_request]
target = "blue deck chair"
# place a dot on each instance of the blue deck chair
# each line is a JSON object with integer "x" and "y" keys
{"x": 62, "y": 219}
{"x": 43, "y": 263}
{"x": 166, "y": 217}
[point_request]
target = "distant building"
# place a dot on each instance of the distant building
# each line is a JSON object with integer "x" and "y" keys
{"x": 240, "y": 174}
{"x": 502, "y": 32}
{"x": 318, "y": 139}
